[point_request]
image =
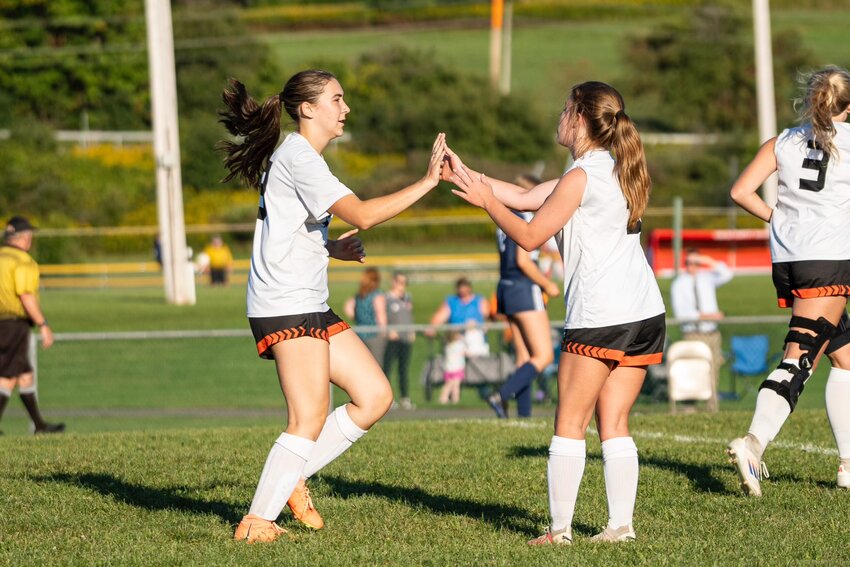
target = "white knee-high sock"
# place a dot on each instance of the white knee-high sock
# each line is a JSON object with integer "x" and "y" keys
{"x": 620, "y": 462}
{"x": 771, "y": 409}
{"x": 565, "y": 469}
{"x": 338, "y": 434}
{"x": 837, "y": 406}
{"x": 281, "y": 473}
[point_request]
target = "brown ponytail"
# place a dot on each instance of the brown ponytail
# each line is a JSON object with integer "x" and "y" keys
{"x": 610, "y": 127}
{"x": 259, "y": 126}
{"x": 827, "y": 94}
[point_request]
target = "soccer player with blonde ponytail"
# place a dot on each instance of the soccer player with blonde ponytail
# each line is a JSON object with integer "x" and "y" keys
{"x": 810, "y": 251}
{"x": 614, "y": 326}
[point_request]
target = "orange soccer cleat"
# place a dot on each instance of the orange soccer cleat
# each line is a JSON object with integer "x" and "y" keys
{"x": 301, "y": 504}
{"x": 254, "y": 528}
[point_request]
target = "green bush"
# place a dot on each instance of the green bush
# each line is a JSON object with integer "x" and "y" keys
{"x": 404, "y": 98}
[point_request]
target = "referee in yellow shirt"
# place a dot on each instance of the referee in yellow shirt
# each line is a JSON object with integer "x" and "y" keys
{"x": 20, "y": 309}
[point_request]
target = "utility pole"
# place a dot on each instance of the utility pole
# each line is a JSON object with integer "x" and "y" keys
{"x": 177, "y": 274}
{"x": 497, "y": 10}
{"x": 764, "y": 86}
{"x": 507, "y": 46}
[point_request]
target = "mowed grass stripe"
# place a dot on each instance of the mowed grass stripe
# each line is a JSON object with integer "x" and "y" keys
{"x": 415, "y": 493}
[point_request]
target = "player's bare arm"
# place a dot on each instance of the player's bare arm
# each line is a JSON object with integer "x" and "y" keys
{"x": 550, "y": 218}
{"x": 745, "y": 190}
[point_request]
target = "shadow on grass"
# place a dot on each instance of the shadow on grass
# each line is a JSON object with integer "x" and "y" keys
{"x": 702, "y": 477}
{"x": 500, "y": 516}
{"x": 146, "y": 497}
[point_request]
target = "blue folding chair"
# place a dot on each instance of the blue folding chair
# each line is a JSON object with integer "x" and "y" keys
{"x": 749, "y": 357}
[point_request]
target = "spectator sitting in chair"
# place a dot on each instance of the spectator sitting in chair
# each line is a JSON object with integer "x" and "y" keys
{"x": 464, "y": 308}
{"x": 694, "y": 297}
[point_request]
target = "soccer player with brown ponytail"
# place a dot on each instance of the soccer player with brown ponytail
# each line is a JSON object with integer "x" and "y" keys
{"x": 614, "y": 325}
{"x": 288, "y": 284}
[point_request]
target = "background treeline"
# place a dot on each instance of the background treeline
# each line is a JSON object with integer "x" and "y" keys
{"x": 72, "y": 64}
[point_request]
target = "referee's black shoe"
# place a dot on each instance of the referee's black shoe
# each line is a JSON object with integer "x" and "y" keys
{"x": 50, "y": 428}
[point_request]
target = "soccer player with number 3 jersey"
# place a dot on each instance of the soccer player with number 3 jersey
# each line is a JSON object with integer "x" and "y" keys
{"x": 288, "y": 284}
{"x": 614, "y": 326}
{"x": 810, "y": 250}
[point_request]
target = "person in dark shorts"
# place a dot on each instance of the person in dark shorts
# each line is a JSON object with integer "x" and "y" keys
{"x": 614, "y": 326}
{"x": 810, "y": 251}
{"x": 220, "y": 260}
{"x": 19, "y": 310}
{"x": 399, "y": 345}
{"x": 519, "y": 297}
{"x": 288, "y": 283}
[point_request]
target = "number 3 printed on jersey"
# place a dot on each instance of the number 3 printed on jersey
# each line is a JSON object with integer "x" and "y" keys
{"x": 818, "y": 165}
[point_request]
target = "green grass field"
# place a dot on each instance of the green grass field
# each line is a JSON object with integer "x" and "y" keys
{"x": 418, "y": 493}
{"x": 152, "y": 384}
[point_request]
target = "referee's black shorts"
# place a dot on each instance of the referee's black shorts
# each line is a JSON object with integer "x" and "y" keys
{"x": 14, "y": 347}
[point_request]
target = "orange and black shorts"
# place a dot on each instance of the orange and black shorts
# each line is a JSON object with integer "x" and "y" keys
{"x": 810, "y": 278}
{"x": 269, "y": 331}
{"x": 629, "y": 344}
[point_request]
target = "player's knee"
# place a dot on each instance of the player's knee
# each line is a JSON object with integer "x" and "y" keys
{"x": 820, "y": 332}
{"x": 381, "y": 399}
{"x": 543, "y": 359}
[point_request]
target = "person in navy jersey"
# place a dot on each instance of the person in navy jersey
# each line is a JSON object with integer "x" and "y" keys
{"x": 519, "y": 296}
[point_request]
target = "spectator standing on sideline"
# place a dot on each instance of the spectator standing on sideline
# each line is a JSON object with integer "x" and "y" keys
{"x": 369, "y": 307}
{"x": 399, "y": 344}
{"x": 19, "y": 309}
{"x": 694, "y": 297}
{"x": 220, "y": 261}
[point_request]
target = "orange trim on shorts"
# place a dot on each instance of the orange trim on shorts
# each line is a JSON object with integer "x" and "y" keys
{"x": 641, "y": 359}
{"x": 289, "y": 334}
{"x": 592, "y": 351}
{"x": 338, "y": 328}
{"x": 823, "y": 291}
{"x": 784, "y": 303}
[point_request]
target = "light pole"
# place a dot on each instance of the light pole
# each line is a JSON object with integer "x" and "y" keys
{"x": 764, "y": 86}
{"x": 177, "y": 275}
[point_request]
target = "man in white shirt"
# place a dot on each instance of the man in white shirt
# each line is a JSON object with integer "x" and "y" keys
{"x": 694, "y": 296}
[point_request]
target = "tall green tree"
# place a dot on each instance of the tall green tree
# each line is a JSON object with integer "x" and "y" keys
{"x": 698, "y": 74}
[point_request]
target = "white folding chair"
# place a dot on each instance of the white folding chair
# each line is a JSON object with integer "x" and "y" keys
{"x": 689, "y": 374}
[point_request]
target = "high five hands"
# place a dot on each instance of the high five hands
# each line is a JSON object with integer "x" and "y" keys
{"x": 472, "y": 186}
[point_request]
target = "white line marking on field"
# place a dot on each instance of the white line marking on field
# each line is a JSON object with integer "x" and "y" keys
{"x": 694, "y": 440}
{"x": 686, "y": 439}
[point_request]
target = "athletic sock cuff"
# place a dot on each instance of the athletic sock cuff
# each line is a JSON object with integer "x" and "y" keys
{"x": 619, "y": 448}
{"x": 347, "y": 426}
{"x": 839, "y": 375}
{"x": 27, "y": 389}
{"x": 5, "y": 392}
{"x": 565, "y": 447}
{"x": 300, "y": 446}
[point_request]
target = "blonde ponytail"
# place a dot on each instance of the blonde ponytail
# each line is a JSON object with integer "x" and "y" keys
{"x": 827, "y": 94}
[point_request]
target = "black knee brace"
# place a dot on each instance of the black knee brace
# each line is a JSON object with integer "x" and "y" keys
{"x": 841, "y": 337}
{"x": 810, "y": 345}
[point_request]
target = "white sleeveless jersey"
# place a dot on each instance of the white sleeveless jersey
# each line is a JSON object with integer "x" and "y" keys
{"x": 607, "y": 280}
{"x": 289, "y": 261}
{"x": 811, "y": 219}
